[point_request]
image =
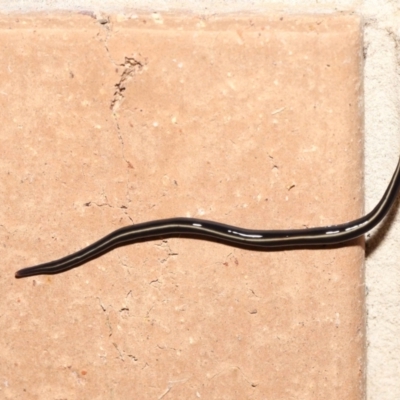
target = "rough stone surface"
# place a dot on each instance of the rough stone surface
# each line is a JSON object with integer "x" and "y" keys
{"x": 253, "y": 121}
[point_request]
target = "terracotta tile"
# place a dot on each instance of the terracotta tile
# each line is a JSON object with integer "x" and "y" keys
{"x": 248, "y": 120}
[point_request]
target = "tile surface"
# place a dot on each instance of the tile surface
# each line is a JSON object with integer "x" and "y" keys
{"x": 252, "y": 121}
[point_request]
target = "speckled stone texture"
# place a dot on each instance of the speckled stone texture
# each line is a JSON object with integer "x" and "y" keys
{"x": 248, "y": 120}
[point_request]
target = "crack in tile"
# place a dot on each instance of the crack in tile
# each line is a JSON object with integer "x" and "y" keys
{"x": 131, "y": 66}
